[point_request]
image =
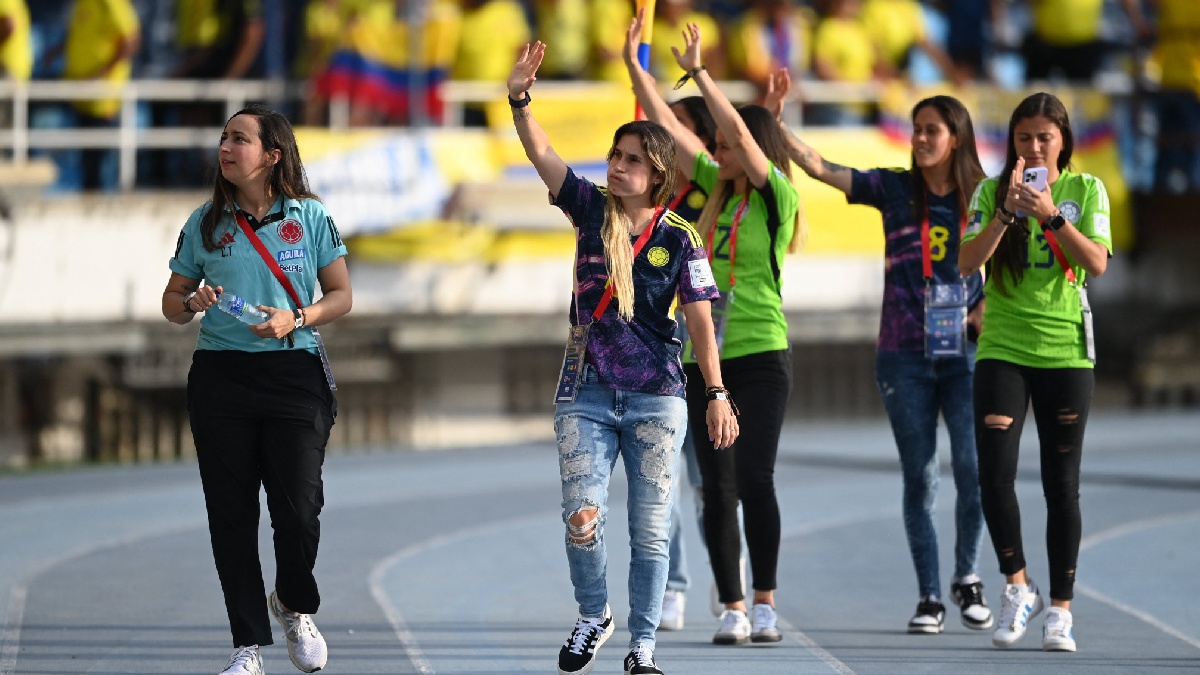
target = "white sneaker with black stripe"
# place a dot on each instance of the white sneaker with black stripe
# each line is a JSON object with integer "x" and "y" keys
{"x": 578, "y": 654}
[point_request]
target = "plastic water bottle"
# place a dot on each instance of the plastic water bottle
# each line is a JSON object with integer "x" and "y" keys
{"x": 245, "y": 312}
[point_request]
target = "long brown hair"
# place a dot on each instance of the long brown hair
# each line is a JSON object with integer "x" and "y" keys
{"x": 965, "y": 168}
{"x": 1009, "y": 258}
{"x": 659, "y": 146}
{"x": 286, "y": 177}
{"x": 770, "y": 139}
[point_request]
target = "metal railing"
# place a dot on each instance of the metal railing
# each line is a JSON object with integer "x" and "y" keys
{"x": 127, "y": 137}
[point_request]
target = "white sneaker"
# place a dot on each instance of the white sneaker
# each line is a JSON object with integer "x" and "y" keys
{"x": 672, "y": 610}
{"x": 245, "y": 661}
{"x": 762, "y": 625}
{"x": 306, "y": 647}
{"x": 714, "y": 598}
{"x": 734, "y": 629}
{"x": 1019, "y": 604}
{"x": 1057, "y": 633}
{"x": 967, "y": 592}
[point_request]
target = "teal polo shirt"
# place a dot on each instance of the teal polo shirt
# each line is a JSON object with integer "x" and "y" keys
{"x": 299, "y": 234}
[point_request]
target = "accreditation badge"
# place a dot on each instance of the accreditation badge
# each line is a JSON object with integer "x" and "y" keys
{"x": 945, "y": 320}
{"x": 572, "y": 367}
{"x": 1089, "y": 335}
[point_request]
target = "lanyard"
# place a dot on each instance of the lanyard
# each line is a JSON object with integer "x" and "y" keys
{"x": 733, "y": 230}
{"x": 637, "y": 248}
{"x": 1058, "y": 253}
{"x": 926, "y": 245}
{"x": 679, "y": 197}
{"x": 291, "y": 291}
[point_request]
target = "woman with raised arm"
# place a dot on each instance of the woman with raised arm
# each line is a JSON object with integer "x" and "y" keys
{"x": 751, "y": 220}
{"x": 920, "y": 368}
{"x": 1040, "y": 246}
{"x": 621, "y": 389}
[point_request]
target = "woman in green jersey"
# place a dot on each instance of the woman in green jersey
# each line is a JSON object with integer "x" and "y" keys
{"x": 1039, "y": 246}
{"x": 751, "y": 219}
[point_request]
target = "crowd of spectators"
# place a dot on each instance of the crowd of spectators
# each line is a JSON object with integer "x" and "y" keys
{"x": 388, "y": 59}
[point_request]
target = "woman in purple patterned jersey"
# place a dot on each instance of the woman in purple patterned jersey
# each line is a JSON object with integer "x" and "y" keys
{"x": 621, "y": 390}
{"x": 924, "y": 211}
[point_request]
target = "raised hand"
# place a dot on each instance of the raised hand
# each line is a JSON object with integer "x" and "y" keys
{"x": 524, "y": 72}
{"x": 779, "y": 83}
{"x": 633, "y": 38}
{"x": 689, "y": 60}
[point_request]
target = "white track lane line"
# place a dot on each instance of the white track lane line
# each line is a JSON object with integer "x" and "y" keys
{"x": 1121, "y": 531}
{"x": 808, "y": 530}
{"x": 394, "y": 616}
{"x": 10, "y": 639}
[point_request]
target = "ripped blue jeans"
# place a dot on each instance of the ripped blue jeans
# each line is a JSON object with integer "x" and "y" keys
{"x": 646, "y": 431}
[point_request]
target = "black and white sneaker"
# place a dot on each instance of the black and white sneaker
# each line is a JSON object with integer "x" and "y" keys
{"x": 641, "y": 661}
{"x": 968, "y": 595}
{"x": 578, "y": 653}
{"x": 930, "y": 616}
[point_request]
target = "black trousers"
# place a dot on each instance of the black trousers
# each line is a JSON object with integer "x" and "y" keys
{"x": 261, "y": 419}
{"x": 760, "y": 385}
{"x": 1061, "y": 399}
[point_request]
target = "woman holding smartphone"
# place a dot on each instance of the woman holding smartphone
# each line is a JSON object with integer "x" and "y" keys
{"x": 1037, "y": 346}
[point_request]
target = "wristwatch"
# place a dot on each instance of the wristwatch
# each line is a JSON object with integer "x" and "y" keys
{"x": 299, "y": 319}
{"x": 187, "y": 299}
{"x": 1055, "y": 222}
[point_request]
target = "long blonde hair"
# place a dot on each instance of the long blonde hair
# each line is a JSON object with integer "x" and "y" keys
{"x": 766, "y": 133}
{"x": 618, "y": 254}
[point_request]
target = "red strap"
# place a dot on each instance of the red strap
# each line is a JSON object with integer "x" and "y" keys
{"x": 1058, "y": 253}
{"x": 926, "y": 253}
{"x": 927, "y": 247}
{"x": 637, "y": 248}
{"x": 733, "y": 230}
{"x": 266, "y": 256}
{"x": 679, "y": 197}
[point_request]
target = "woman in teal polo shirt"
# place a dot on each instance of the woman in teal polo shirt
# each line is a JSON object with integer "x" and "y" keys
{"x": 260, "y": 397}
{"x": 751, "y": 220}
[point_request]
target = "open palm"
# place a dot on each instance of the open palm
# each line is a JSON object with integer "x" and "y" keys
{"x": 524, "y": 72}
{"x": 689, "y": 60}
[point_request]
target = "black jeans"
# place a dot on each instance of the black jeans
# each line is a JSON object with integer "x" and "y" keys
{"x": 261, "y": 419}
{"x": 760, "y": 385}
{"x": 1061, "y": 400}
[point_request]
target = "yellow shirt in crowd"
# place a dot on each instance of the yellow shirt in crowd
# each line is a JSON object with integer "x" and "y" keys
{"x": 1066, "y": 23}
{"x": 662, "y": 62}
{"x": 563, "y": 25}
{"x": 749, "y": 52}
{"x": 1178, "y": 50}
{"x": 490, "y": 39}
{"x": 846, "y": 47}
{"x": 894, "y": 26}
{"x": 16, "y": 54}
{"x": 610, "y": 22}
{"x": 93, "y": 40}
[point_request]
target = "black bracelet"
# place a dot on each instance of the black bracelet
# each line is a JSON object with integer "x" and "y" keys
{"x": 519, "y": 104}
{"x": 1005, "y": 212}
{"x": 694, "y": 72}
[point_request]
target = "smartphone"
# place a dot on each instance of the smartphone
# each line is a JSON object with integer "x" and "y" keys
{"x": 1035, "y": 177}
